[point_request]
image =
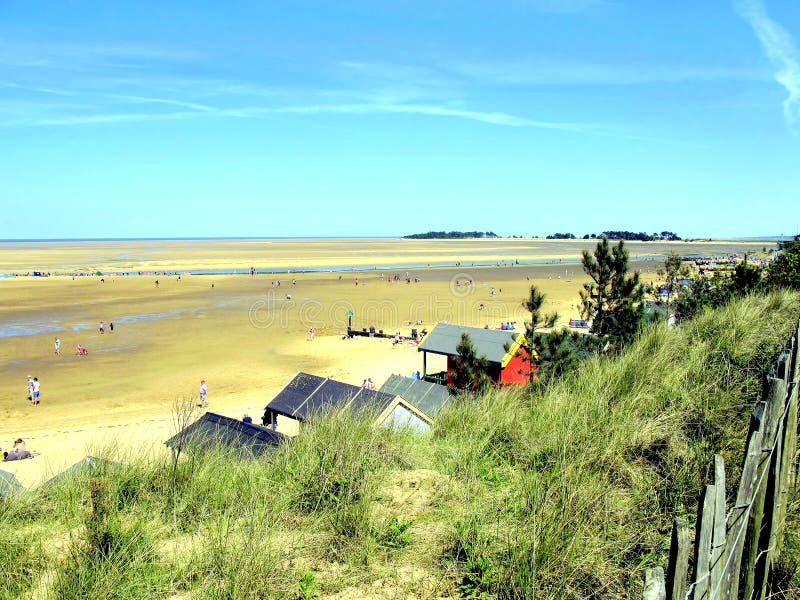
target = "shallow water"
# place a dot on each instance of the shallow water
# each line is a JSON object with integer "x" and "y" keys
{"x": 363, "y": 267}
{"x": 22, "y": 328}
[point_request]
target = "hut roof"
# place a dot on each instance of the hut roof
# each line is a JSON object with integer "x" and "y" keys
{"x": 88, "y": 464}
{"x": 8, "y": 483}
{"x": 427, "y": 397}
{"x": 216, "y": 430}
{"x": 491, "y": 343}
{"x": 308, "y": 394}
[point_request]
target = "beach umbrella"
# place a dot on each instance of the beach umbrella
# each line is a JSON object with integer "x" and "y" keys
{"x": 8, "y": 483}
{"x": 98, "y": 273}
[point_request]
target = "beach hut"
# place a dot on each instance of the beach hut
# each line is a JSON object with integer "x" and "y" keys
{"x": 306, "y": 396}
{"x": 9, "y": 484}
{"x": 418, "y": 402}
{"x": 504, "y": 350}
{"x": 213, "y": 430}
{"x": 88, "y": 465}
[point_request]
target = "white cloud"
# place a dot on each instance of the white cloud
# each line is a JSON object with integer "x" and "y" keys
{"x": 492, "y": 118}
{"x": 553, "y": 72}
{"x": 168, "y": 101}
{"x": 40, "y": 90}
{"x": 781, "y": 51}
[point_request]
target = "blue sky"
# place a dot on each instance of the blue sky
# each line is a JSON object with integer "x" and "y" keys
{"x": 357, "y": 117}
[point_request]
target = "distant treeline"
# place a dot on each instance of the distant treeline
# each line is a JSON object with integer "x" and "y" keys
{"x": 451, "y": 235}
{"x": 641, "y": 236}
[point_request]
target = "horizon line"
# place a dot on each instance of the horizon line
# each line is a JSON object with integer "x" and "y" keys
{"x": 353, "y": 237}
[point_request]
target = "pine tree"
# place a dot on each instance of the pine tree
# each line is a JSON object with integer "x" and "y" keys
{"x": 785, "y": 271}
{"x": 613, "y": 299}
{"x": 470, "y": 371}
{"x": 533, "y": 304}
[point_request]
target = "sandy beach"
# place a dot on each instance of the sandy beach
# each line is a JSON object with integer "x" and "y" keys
{"x": 245, "y": 335}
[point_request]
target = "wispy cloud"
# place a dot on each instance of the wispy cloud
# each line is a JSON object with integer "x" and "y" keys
{"x": 167, "y": 101}
{"x": 491, "y": 118}
{"x": 96, "y": 119}
{"x": 50, "y": 55}
{"x": 552, "y": 72}
{"x": 353, "y": 87}
{"x": 781, "y": 51}
{"x": 39, "y": 90}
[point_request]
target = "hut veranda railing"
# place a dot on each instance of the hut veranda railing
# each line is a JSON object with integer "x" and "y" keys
{"x": 735, "y": 548}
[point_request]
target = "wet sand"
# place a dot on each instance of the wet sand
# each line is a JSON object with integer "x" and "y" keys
{"x": 243, "y": 335}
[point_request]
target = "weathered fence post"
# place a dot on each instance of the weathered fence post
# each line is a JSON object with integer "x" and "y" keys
{"x": 718, "y": 540}
{"x": 737, "y": 522}
{"x": 786, "y": 447}
{"x": 773, "y": 413}
{"x": 678, "y": 568}
{"x": 768, "y": 541}
{"x": 702, "y": 545}
{"x": 654, "y": 585}
{"x": 737, "y": 551}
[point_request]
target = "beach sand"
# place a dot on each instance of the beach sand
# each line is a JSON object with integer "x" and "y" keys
{"x": 244, "y": 336}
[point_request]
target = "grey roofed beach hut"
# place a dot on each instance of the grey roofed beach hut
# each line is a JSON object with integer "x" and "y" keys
{"x": 426, "y": 397}
{"x": 211, "y": 429}
{"x": 9, "y": 483}
{"x": 503, "y": 349}
{"x": 308, "y": 395}
{"x": 88, "y": 464}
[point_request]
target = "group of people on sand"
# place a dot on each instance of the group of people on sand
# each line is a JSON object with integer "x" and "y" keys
{"x": 19, "y": 451}
{"x": 79, "y": 349}
{"x": 368, "y": 384}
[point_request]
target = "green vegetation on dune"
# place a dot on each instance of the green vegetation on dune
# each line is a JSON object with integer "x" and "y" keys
{"x": 564, "y": 490}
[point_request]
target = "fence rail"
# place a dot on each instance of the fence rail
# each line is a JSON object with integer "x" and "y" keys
{"x": 734, "y": 548}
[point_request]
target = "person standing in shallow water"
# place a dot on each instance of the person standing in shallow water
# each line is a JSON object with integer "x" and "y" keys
{"x": 57, "y": 345}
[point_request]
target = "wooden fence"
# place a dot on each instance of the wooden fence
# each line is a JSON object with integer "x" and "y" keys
{"x": 735, "y": 547}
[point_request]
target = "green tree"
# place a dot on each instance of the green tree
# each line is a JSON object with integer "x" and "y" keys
{"x": 533, "y": 304}
{"x": 746, "y": 279}
{"x": 561, "y": 351}
{"x": 672, "y": 268}
{"x": 613, "y": 299}
{"x": 785, "y": 271}
{"x": 470, "y": 371}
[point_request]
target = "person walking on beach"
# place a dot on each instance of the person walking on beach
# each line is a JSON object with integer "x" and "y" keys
{"x": 311, "y": 334}
{"x": 102, "y": 328}
{"x": 36, "y": 390}
{"x": 57, "y": 345}
{"x": 30, "y": 388}
{"x": 203, "y": 393}
{"x": 111, "y": 328}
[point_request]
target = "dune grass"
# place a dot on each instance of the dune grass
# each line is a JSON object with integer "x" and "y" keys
{"x": 565, "y": 491}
